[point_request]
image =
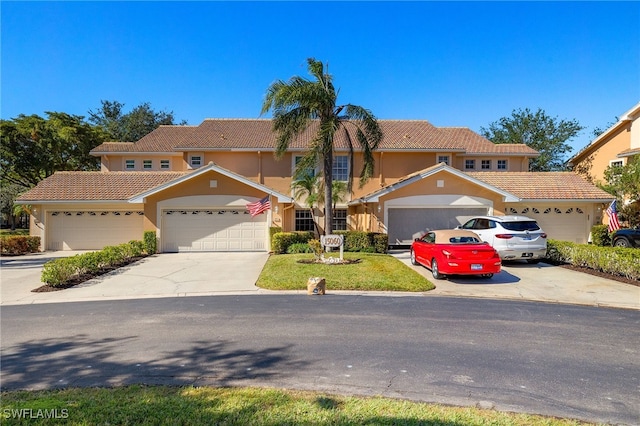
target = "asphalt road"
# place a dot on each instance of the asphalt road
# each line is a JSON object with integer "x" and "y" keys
{"x": 568, "y": 361}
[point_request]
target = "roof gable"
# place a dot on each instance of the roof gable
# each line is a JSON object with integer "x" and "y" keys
{"x": 139, "y": 198}
{"x": 626, "y": 118}
{"x": 437, "y": 169}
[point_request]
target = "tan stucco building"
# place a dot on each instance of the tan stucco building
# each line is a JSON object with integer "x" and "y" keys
{"x": 191, "y": 184}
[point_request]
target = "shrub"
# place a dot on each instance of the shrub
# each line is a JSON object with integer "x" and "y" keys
{"x": 59, "y": 272}
{"x": 296, "y": 248}
{"x": 150, "y": 242}
{"x": 316, "y": 247}
{"x": 19, "y": 244}
{"x": 600, "y": 235}
{"x": 281, "y": 241}
{"x": 611, "y": 260}
{"x": 381, "y": 242}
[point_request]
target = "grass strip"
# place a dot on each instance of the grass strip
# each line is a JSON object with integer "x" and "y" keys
{"x": 165, "y": 405}
{"x": 374, "y": 272}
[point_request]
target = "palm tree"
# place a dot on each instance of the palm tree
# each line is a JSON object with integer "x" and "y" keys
{"x": 306, "y": 186}
{"x": 299, "y": 103}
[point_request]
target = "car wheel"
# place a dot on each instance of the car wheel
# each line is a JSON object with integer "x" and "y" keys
{"x": 621, "y": 242}
{"x": 413, "y": 258}
{"x": 487, "y": 276}
{"x": 435, "y": 271}
{"x": 533, "y": 261}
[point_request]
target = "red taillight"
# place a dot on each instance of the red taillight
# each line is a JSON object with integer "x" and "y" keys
{"x": 543, "y": 235}
{"x": 504, "y": 236}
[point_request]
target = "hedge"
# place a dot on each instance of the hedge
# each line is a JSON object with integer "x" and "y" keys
{"x": 354, "y": 241}
{"x": 611, "y": 260}
{"x": 150, "y": 242}
{"x": 19, "y": 244}
{"x": 600, "y": 235}
{"x": 59, "y": 272}
{"x": 280, "y": 241}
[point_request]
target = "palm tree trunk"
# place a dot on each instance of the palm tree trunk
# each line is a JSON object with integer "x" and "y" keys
{"x": 328, "y": 199}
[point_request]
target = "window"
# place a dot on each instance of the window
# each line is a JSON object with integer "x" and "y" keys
{"x": 502, "y": 164}
{"x": 304, "y": 221}
{"x": 130, "y": 164}
{"x": 443, "y": 159}
{"x": 340, "y": 220}
{"x": 616, "y": 163}
{"x": 341, "y": 168}
{"x": 485, "y": 165}
{"x": 196, "y": 161}
{"x": 165, "y": 165}
{"x": 147, "y": 164}
{"x": 469, "y": 164}
{"x": 296, "y": 161}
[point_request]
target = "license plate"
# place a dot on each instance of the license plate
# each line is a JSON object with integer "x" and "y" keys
{"x": 476, "y": 266}
{"x": 527, "y": 254}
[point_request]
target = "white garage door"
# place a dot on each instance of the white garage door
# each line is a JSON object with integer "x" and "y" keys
{"x": 406, "y": 224}
{"x": 92, "y": 230}
{"x": 564, "y": 223}
{"x": 213, "y": 230}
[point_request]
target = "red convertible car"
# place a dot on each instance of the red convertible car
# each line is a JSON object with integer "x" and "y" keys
{"x": 455, "y": 252}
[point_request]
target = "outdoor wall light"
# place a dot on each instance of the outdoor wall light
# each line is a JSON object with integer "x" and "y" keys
{"x": 276, "y": 209}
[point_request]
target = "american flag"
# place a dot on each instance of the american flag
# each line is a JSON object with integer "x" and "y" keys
{"x": 259, "y": 206}
{"x": 613, "y": 217}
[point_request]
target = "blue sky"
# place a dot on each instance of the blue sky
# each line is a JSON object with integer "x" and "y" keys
{"x": 451, "y": 63}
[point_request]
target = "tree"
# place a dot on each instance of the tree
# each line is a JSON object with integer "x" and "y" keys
{"x": 623, "y": 181}
{"x": 33, "y": 147}
{"x": 131, "y": 126}
{"x": 301, "y": 103}
{"x": 306, "y": 186}
{"x": 547, "y": 135}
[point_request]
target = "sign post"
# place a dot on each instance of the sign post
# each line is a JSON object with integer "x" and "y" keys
{"x": 333, "y": 240}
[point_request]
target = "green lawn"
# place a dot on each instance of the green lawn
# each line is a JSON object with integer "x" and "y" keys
{"x": 375, "y": 272}
{"x": 165, "y": 405}
{"x": 9, "y": 232}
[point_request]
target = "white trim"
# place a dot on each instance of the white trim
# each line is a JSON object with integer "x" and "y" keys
{"x": 375, "y": 197}
{"x": 140, "y": 198}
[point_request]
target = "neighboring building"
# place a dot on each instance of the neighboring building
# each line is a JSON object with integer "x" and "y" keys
{"x": 615, "y": 146}
{"x": 191, "y": 184}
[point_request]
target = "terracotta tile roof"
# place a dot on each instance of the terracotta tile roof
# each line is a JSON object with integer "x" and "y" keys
{"x": 256, "y": 134}
{"x": 629, "y": 152}
{"x": 162, "y": 139}
{"x": 93, "y": 186}
{"x": 543, "y": 185}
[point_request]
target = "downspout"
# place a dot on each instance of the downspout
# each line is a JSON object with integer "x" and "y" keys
{"x": 260, "y": 168}
{"x": 381, "y": 174}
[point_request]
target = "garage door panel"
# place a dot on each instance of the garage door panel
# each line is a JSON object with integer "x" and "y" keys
{"x": 559, "y": 222}
{"x": 92, "y": 230}
{"x": 406, "y": 224}
{"x": 213, "y": 230}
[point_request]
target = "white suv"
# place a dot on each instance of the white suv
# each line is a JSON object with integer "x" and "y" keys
{"x": 513, "y": 237}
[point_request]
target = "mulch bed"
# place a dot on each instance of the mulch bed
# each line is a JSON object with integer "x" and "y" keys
{"x": 601, "y": 274}
{"x": 336, "y": 262}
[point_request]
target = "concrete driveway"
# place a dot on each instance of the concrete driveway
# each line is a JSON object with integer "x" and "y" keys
{"x": 201, "y": 274}
{"x": 160, "y": 275}
{"x": 539, "y": 282}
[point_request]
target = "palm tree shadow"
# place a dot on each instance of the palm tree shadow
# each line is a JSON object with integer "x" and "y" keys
{"x": 82, "y": 361}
